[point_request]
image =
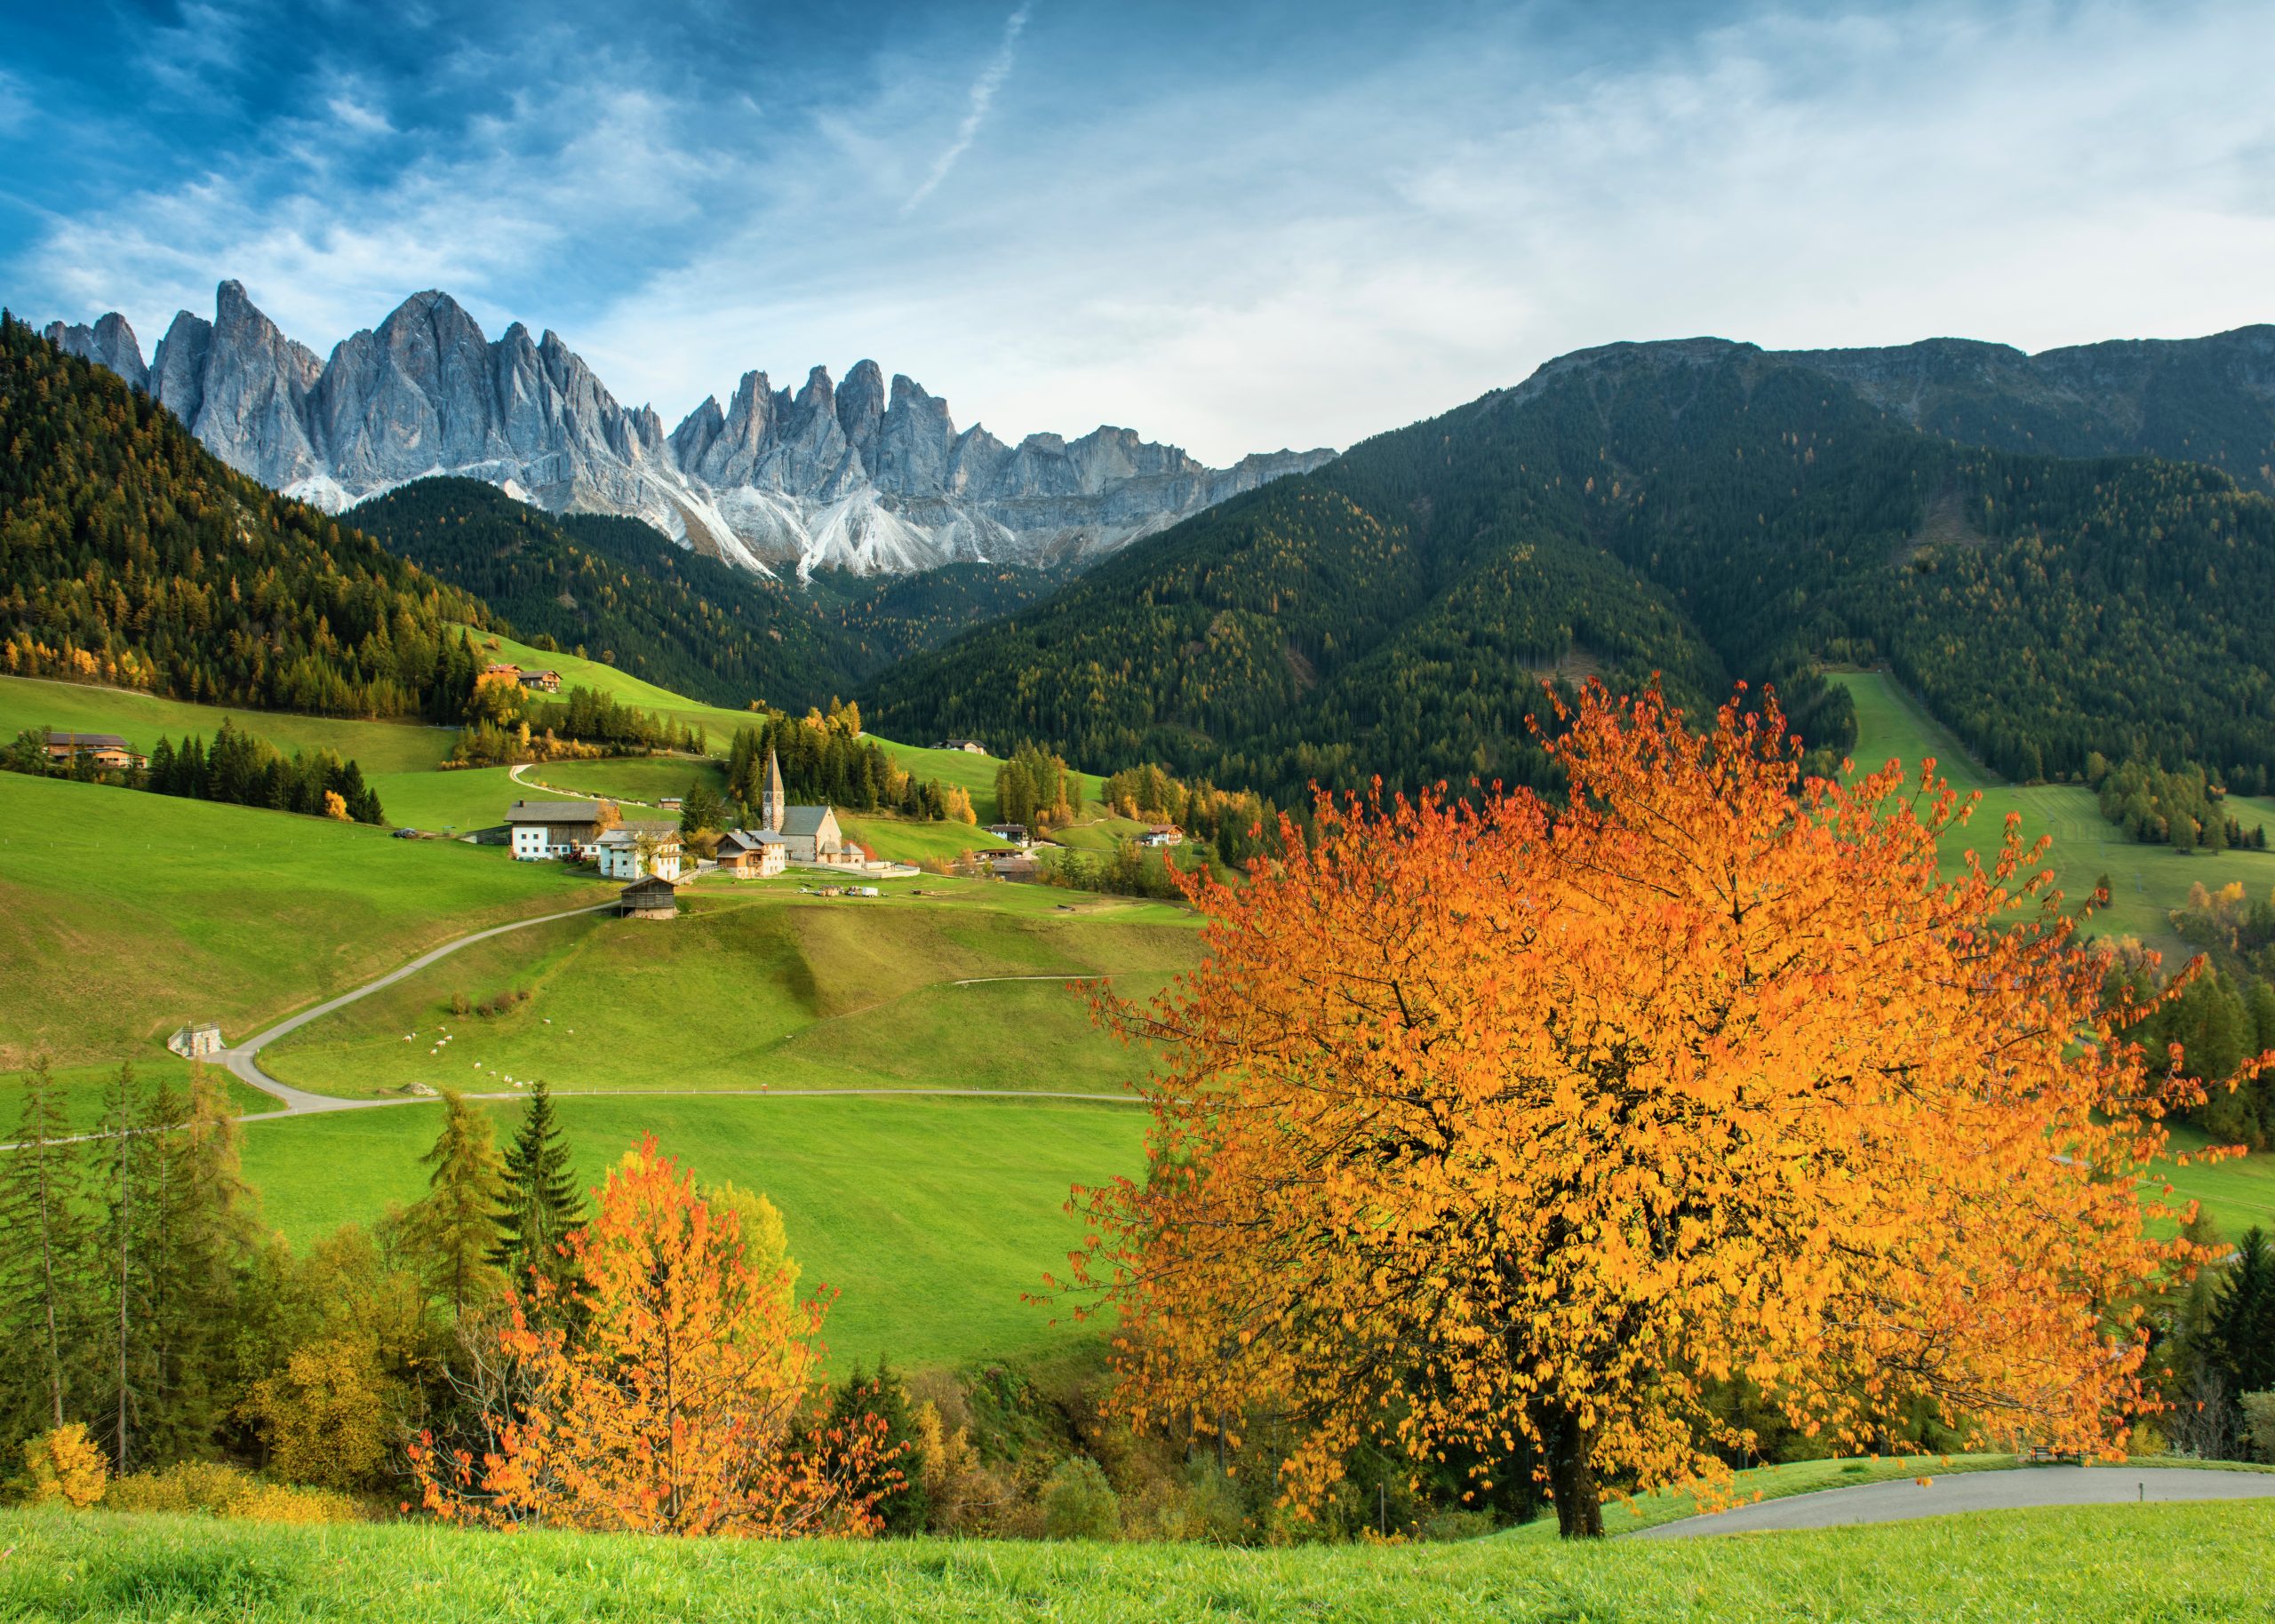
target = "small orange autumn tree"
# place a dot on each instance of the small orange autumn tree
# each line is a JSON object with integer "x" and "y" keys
{"x": 686, "y": 1399}
{"x": 1520, "y": 1131}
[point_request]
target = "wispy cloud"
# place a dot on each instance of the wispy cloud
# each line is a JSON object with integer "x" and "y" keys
{"x": 982, "y": 96}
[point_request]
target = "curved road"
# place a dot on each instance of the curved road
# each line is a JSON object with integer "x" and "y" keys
{"x": 243, "y": 1061}
{"x": 1902, "y": 1499}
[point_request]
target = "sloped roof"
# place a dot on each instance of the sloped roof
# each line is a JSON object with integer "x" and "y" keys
{"x": 626, "y": 834}
{"x": 89, "y": 741}
{"x": 803, "y": 821}
{"x": 553, "y": 812}
{"x": 748, "y": 840}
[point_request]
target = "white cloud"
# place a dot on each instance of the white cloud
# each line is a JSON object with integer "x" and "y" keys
{"x": 1291, "y": 249}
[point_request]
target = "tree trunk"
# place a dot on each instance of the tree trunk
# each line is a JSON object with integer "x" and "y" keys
{"x": 1571, "y": 1449}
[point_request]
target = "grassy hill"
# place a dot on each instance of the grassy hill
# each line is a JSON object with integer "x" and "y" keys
{"x": 124, "y": 915}
{"x": 2120, "y": 1563}
{"x": 932, "y": 1217}
{"x": 757, "y": 984}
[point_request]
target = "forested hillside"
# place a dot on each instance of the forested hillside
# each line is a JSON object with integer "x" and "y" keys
{"x": 129, "y": 554}
{"x": 1701, "y": 509}
{"x": 617, "y": 589}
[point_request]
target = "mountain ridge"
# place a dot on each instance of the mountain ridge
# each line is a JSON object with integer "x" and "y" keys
{"x": 860, "y": 476}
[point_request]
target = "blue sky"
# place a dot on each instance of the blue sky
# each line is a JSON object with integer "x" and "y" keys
{"x": 1236, "y": 228}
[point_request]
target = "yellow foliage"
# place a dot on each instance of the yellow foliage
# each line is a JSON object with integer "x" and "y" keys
{"x": 335, "y": 805}
{"x": 325, "y": 1418}
{"x": 219, "y": 1490}
{"x": 64, "y": 1464}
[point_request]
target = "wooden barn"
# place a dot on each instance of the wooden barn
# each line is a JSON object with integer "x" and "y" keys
{"x": 652, "y": 898}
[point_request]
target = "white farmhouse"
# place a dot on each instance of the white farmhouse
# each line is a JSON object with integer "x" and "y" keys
{"x": 552, "y": 829}
{"x": 621, "y": 856}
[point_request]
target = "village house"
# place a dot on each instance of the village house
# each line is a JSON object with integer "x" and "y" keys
{"x": 544, "y": 681}
{"x": 1162, "y": 834}
{"x": 638, "y": 850}
{"x": 1017, "y": 833}
{"x": 752, "y": 855}
{"x": 105, "y": 749}
{"x": 552, "y": 829}
{"x": 1015, "y": 865}
{"x": 809, "y": 834}
{"x": 970, "y": 746}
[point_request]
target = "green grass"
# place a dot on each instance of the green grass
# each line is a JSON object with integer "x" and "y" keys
{"x": 758, "y": 985}
{"x": 913, "y": 839}
{"x": 646, "y": 779}
{"x": 83, "y": 1086}
{"x": 124, "y": 915}
{"x": 931, "y": 1217}
{"x": 975, "y": 774}
{"x": 2143, "y": 1564}
{"x": 2147, "y": 882}
{"x": 2236, "y": 1195}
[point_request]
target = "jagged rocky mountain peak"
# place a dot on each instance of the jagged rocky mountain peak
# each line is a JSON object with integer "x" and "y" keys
{"x": 864, "y": 475}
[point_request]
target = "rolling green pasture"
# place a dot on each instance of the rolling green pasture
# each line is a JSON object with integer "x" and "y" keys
{"x": 974, "y": 773}
{"x": 2204, "y": 1562}
{"x": 909, "y": 840}
{"x": 2147, "y": 882}
{"x": 930, "y": 1216}
{"x": 647, "y": 779}
{"x": 83, "y": 1088}
{"x": 124, "y": 915}
{"x": 757, "y": 985}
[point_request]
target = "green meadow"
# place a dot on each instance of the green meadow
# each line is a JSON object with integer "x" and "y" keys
{"x": 757, "y": 984}
{"x": 931, "y": 1218}
{"x": 124, "y": 915}
{"x": 2140, "y": 1564}
{"x": 2147, "y": 882}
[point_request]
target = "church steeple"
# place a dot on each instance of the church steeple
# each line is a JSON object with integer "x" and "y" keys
{"x": 770, "y": 802}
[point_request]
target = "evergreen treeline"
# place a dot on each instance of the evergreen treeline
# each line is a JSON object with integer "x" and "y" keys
{"x": 1705, "y": 512}
{"x": 825, "y": 761}
{"x": 2182, "y": 810}
{"x": 129, "y": 554}
{"x": 238, "y": 767}
{"x": 1034, "y": 788}
{"x": 619, "y": 591}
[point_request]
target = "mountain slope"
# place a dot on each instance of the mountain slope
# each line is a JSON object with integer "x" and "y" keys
{"x": 1699, "y": 507}
{"x": 129, "y": 555}
{"x": 852, "y": 476}
{"x": 622, "y": 592}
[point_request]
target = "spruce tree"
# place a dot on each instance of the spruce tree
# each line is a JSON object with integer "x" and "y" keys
{"x": 43, "y": 1262}
{"x": 452, "y": 1229}
{"x": 2243, "y": 1318}
{"x": 541, "y": 1202}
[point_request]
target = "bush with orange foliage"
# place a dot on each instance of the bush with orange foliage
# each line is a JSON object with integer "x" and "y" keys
{"x": 685, "y": 1401}
{"x": 1517, "y": 1130}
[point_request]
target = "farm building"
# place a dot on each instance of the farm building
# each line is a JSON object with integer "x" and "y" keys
{"x": 1011, "y": 866}
{"x": 652, "y": 898}
{"x": 752, "y": 855}
{"x": 1162, "y": 834}
{"x": 543, "y": 828}
{"x": 201, "y": 1042}
{"x": 544, "y": 681}
{"x": 970, "y": 746}
{"x": 104, "y": 749}
{"x": 633, "y": 851}
{"x": 1017, "y": 833}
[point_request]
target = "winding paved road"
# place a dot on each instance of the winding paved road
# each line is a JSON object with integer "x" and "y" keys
{"x": 1902, "y": 1499}
{"x": 243, "y": 1061}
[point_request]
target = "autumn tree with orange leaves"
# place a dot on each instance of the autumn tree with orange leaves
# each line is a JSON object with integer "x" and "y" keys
{"x": 1518, "y": 1130}
{"x": 682, "y": 1397}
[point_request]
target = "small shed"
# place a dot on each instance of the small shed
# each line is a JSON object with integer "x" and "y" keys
{"x": 201, "y": 1042}
{"x": 652, "y": 898}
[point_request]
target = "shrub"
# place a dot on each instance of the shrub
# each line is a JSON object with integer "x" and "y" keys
{"x": 461, "y": 1004}
{"x": 2259, "y": 1425}
{"x": 1078, "y": 1503}
{"x": 64, "y": 1464}
{"x": 219, "y": 1490}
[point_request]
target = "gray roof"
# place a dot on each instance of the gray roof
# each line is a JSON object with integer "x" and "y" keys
{"x": 553, "y": 812}
{"x": 88, "y": 741}
{"x": 804, "y": 821}
{"x": 748, "y": 840}
{"x": 625, "y": 834}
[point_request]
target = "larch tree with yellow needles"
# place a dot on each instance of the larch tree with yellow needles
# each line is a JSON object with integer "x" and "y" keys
{"x": 1518, "y": 1129}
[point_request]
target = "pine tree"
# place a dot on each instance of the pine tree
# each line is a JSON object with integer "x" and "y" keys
{"x": 43, "y": 1261}
{"x": 454, "y": 1229}
{"x": 2243, "y": 1318}
{"x": 541, "y": 1203}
